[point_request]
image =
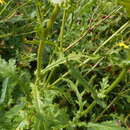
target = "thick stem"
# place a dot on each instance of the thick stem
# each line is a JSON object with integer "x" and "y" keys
{"x": 39, "y": 59}
{"x": 52, "y": 18}
{"x": 42, "y": 37}
{"x": 62, "y": 30}
{"x": 116, "y": 82}
{"x": 42, "y": 41}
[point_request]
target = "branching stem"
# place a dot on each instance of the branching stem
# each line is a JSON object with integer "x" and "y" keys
{"x": 42, "y": 33}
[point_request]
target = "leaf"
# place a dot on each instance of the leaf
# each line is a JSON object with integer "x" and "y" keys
{"x": 77, "y": 75}
{"x": 127, "y": 98}
{"x": 104, "y": 84}
{"x": 4, "y": 89}
{"x": 107, "y": 125}
{"x": 60, "y": 61}
{"x": 14, "y": 111}
{"x": 74, "y": 87}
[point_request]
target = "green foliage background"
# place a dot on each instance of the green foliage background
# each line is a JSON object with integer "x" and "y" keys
{"x": 85, "y": 77}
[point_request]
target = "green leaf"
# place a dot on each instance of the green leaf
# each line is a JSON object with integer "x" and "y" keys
{"x": 62, "y": 60}
{"x": 77, "y": 75}
{"x": 127, "y": 98}
{"x": 4, "y": 89}
{"x": 107, "y": 125}
{"x": 14, "y": 111}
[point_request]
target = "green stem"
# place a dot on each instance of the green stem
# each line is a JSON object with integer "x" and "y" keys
{"x": 116, "y": 82}
{"x": 39, "y": 61}
{"x": 41, "y": 44}
{"x": 43, "y": 33}
{"x": 38, "y": 9}
{"x": 52, "y": 18}
{"x": 62, "y": 30}
{"x": 90, "y": 107}
{"x": 42, "y": 41}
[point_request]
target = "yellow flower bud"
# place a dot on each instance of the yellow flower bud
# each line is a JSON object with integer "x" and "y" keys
{"x": 122, "y": 44}
{"x": 2, "y": 1}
